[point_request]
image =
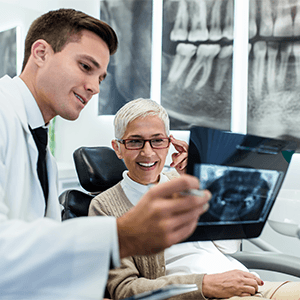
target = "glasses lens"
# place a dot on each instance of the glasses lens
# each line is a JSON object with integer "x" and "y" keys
{"x": 134, "y": 144}
{"x": 160, "y": 143}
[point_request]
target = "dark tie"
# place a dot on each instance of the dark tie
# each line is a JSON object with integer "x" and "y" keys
{"x": 40, "y": 136}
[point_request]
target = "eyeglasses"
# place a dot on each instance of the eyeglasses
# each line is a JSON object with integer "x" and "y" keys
{"x": 136, "y": 144}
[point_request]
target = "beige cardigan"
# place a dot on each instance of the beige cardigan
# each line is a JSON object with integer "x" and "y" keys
{"x": 138, "y": 274}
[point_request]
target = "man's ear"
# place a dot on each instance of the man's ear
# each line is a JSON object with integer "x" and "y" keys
{"x": 40, "y": 50}
{"x": 116, "y": 147}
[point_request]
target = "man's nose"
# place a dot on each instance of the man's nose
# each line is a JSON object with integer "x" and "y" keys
{"x": 93, "y": 86}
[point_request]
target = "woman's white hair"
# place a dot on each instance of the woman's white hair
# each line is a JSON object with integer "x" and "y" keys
{"x": 135, "y": 109}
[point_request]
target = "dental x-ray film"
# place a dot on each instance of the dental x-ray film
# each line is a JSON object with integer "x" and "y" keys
{"x": 244, "y": 174}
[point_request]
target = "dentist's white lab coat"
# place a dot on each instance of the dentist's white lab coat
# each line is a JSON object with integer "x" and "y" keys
{"x": 42, "y": 258}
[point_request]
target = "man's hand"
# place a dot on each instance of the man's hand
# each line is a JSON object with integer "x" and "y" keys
{"x": 228, "y": 284}
{"x": 161, "y": 218}
{"x": 179, "y": 159}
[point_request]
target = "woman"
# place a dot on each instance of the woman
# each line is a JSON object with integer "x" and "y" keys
{"x": 142, "y": 141}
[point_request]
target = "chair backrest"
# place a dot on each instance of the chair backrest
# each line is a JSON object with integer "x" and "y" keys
{"x": 98, "y": 168}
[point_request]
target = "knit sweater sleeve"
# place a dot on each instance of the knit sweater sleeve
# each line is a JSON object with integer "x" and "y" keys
{"x": 138, "y": 274}
{"x": 130, "y": 279}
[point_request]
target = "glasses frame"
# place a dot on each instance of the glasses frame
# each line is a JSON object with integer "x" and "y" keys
{"x": 144, "y": 141}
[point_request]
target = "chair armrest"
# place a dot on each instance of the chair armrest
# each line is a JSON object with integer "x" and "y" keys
{"x": 75, "y": 203}
{"x": 270, "y": 261}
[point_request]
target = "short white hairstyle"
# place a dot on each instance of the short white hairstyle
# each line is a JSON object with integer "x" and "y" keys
{"x": 136, "y": 109}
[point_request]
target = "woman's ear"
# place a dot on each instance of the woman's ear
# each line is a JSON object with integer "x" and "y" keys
{"x": 116, "y": 147}
{"x": 40, "y": 50}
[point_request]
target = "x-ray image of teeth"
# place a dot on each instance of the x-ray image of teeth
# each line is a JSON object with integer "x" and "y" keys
{"x": 129, "y": 71}
{"x": 273, "y": 77}
{"x": 196, "y": 59}
{"x": 197, "y": 62}
{"x": 8, "y": 49}
{"x": 238, "y": 194}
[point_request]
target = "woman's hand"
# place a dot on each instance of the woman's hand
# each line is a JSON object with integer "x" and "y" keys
{"x": 179, "y": 159}
{"x": 228, "y": 284}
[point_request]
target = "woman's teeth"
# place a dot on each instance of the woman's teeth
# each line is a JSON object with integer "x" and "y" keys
{"x": 78, "y": 97}
{"x": 147, "y": 165}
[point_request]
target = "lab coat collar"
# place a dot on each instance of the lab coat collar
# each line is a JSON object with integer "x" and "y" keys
{"x": 34, "y": 115}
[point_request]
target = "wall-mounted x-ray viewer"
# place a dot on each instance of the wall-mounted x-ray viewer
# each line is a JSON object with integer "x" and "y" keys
{"x": 244, "y": 173}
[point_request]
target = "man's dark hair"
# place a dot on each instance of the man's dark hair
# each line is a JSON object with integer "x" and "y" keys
{"x": 62, "y": 26}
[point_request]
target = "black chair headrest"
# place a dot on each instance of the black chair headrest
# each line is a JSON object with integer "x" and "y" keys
{"x": 98, "y": 168}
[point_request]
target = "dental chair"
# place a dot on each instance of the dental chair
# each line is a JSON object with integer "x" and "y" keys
{"x": 98, "y": 168}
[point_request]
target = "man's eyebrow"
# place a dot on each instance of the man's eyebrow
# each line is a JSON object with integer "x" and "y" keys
{"x": 91, "y": 59}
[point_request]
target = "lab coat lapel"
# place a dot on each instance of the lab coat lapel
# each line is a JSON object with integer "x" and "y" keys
{"x": 53, "y": 207}
{"x": 19, "y": 108}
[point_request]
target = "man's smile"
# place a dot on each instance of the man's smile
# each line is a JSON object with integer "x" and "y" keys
{"x": 82, "y": 100}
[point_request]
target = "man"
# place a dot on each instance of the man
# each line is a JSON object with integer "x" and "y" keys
{"x": 66, "y": 57}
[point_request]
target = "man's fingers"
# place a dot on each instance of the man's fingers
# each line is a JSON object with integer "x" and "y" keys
{"x": 176, "y": 185}
{"x": 182, "y": 232}
{"x": 180, "y": 200}
{"x": 184, "y": 218}
{"x": 193, "y": 197}
{"x": 167, "y": 213}
{"x": 182, "y": 226}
